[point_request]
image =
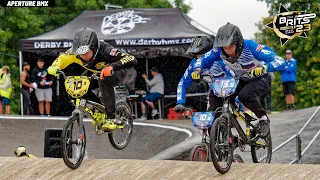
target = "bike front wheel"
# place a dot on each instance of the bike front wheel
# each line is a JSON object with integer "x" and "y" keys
{"x": 120, "y": 137}
{"x": 261, "y": 152}
{"x": 221, "y": 146}
{"x": 199, "y": 153}
{"x": 73, "y": 143}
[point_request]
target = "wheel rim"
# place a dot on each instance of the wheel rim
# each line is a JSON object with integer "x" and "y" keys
{"x": 199, "y": 155}
{"x": 121, "y": 136}
{"x": 74, "y": 143}
{"x": 222, "y": 147}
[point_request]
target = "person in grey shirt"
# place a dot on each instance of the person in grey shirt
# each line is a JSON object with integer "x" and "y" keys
{"x": 130, "y": 79}
{"x": 156, "y": 91}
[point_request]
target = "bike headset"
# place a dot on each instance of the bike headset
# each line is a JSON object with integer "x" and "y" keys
{"x": 85, "y": 39}
{"x": 200, "y": 45}
{"x": 227, "y": 35}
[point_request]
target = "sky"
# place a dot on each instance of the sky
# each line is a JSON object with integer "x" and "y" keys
{"x": 215, "y": 13}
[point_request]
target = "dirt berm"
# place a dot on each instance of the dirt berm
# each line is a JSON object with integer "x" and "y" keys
{"x": 49, "y": 168}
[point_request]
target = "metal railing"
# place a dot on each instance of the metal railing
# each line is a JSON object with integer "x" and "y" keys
{"x": 299, "y": 152}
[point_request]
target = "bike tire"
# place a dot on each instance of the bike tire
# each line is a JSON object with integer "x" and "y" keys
{"x": 116, "y": 144}
{"x": 255, "y": 159}
{"x": 237, "y": 158}
{"x": 203, "y": 152}
{"x": 213, "y": 134}
{"x": 64, "y": 149}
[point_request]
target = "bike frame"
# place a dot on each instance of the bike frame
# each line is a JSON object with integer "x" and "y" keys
{"x": 228, "y": 109}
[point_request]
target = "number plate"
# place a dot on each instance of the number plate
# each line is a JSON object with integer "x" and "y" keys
{"x": 202, "y": 120}
{"x": 77, "y": 86}
{"x": 224, "y": 87}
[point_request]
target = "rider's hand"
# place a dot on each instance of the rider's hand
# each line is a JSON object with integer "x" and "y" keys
{"x": 196, "y": 74}
{"x": 107, "y": 71}
{"x": 179, "y": 108}
{"x": 42, "y": 83}
{"x": 259, "y": 71}
{"x": 53, "y": 70}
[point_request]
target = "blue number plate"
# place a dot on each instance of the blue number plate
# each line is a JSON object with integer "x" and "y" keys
{"x": 202, "y": 120}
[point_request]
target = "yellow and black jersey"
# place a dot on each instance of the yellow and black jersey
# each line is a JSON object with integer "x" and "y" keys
{"x": 107, "y": 56}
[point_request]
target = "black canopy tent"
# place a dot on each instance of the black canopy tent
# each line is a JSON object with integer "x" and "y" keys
{"x": 146, "y": 33}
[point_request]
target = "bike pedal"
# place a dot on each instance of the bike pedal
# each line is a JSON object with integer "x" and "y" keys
{"x": 109, "y": 126}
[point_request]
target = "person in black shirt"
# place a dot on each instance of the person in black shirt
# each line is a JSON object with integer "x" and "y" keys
{"x": 26, "y": 89}
{"x": 44, "y": 82}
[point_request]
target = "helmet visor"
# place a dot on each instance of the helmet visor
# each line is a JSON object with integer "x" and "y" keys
{"x": 220, "y": 42}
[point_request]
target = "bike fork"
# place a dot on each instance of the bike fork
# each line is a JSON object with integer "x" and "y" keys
{"x": 78, "y": 112}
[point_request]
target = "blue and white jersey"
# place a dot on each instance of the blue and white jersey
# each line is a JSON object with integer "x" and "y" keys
{"x": 252, "y": 56}
{"x": 217, "y": 69}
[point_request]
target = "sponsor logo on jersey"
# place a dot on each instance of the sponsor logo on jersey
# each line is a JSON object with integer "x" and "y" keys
{"x": 259, "y": 47}
{"x": 113, "y": 52}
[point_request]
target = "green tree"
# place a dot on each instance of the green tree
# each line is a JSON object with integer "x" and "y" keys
{"x": 305, "y": 51}
{"x": 21, "y": 23}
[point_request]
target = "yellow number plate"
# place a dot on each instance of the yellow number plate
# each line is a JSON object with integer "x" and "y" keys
{"x": 77, "y": 86}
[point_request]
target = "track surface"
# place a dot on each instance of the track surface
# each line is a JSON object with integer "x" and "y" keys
{"x": 145, "y": 143}
{"x": 41, "y": 168}
{"x": 148, "y": 142}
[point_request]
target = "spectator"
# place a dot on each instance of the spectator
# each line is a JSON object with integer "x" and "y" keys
{"x": 44, "y": 81}
{"x": 130, "y": 79}
{"x": 156, "y": 91}
{"x": 266, "y": 98}
{"x": 288, "y": 77}
{"x": 27, "y": 87}
{"x": 1, "y": 108}
{"x": 6, "y": 88}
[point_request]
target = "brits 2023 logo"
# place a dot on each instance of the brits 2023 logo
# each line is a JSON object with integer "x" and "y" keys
{"x": 290, "y": 24}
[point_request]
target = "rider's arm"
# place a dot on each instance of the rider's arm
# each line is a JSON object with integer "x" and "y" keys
{"x": 119, "y": 60}
{"x": 65, "y": 60}
{"x": 208, "y": 58}
{"x": 290, "y": 67}
{"x": 267, "y": 55}
{"x": 184, "y": 83}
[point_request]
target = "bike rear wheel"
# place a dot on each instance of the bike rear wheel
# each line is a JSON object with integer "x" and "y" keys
{"x": 221, "y": 146}
{"x": 73, "y": 144}
{"x": 266, "y": 150}
{"x": 199, "y": 153}
{"x": 120, "y": 138}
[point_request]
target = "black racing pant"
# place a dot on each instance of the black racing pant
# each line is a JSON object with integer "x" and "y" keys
{"x": 106, "y": 88}
{"x": 249, "y": 93}
{"x": 26, "y": 101}
{"x": 266, "y": 98}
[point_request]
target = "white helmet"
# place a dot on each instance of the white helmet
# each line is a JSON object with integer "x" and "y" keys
{"x": 20, "y": 151}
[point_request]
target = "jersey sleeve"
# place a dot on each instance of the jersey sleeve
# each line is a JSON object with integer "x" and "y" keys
{"x": 184, "y": 83}
{"x": 65, "y": 60}
{"x": 267, "y": 55}
{"x": 208, "y": 58}
{"x": 119, "y": 60}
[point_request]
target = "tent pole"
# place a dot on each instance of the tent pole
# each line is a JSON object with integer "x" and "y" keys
{"x": 147, "y": 71}
{"x": 21, "y": 97}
